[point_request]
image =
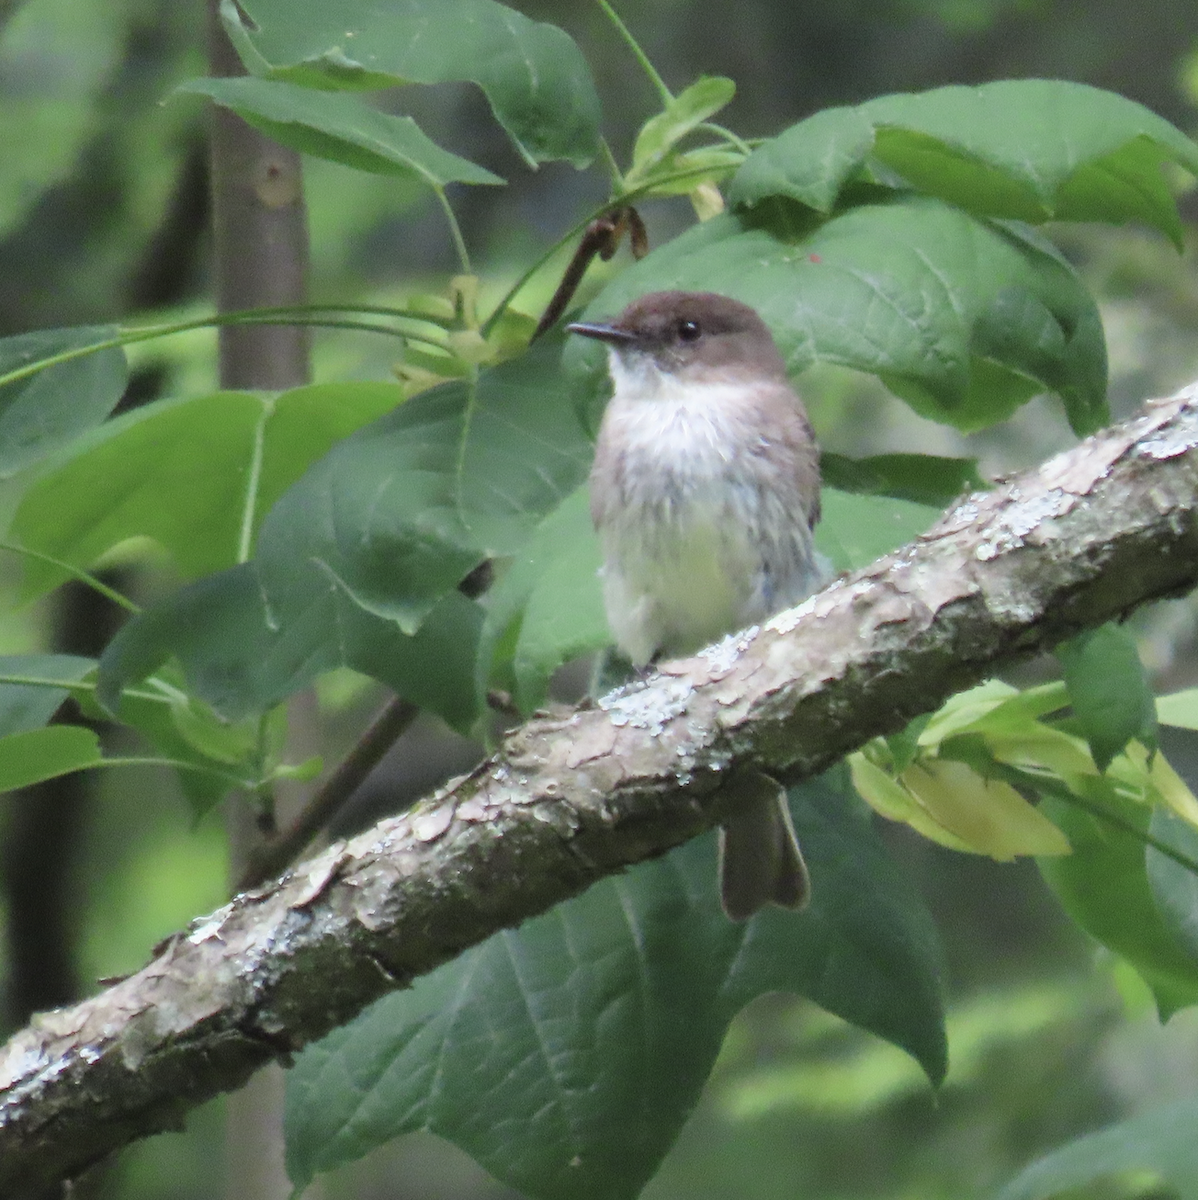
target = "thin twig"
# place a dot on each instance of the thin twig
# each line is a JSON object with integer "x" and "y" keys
{"x": 602, "y": 237}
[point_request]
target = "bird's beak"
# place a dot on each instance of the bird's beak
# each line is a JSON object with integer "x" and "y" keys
{"x": 612, "y": 334}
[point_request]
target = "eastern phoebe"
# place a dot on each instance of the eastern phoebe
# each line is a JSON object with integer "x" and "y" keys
{"x": 704, "y": 492}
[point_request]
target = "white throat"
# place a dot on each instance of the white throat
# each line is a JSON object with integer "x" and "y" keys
{"x": 672, "y": 418}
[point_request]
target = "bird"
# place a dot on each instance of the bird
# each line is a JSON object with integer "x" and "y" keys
{"x": 705, "y": 491}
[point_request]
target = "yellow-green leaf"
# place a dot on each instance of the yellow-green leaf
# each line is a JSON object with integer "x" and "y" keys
{"x": 961, "y": 711}
{"x": 705, "y": 97}
{"x": 990, "y": 816}
{"x": 888, "y": 798}
{"x": 38, "y": 754}
{"x": 1180, "y": 709}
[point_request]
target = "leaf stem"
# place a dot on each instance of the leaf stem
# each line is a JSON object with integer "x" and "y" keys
{"x": 245, "y": 540}
{"x": 179, "y": 764}
{"x": 455, "y": 230}
{"x": 75, "y": 573}
{"x": 613, "y": 167}
{"x": 664, "y": 92}
{"x": 731, "y": 138}
{"x": 74, "y": 685}
{"x": 261, "y": 316}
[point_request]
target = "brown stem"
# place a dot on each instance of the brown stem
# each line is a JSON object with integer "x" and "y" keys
{"x": 260, "y": 260}
{"x": 602, "y": 237}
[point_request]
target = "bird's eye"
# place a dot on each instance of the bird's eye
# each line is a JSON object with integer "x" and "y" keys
{"x": 689, "y": 331}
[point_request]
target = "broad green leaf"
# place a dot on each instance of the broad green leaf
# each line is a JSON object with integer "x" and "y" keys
{"x": 538, "y": 84}
{"x": 1103, "y": 885}
{"x": 1174, "y": 885}
{"x": 1160, "y": 1142}
{"x": 340, "y": 128}
{"x": 921, "y": 478}
{"x": 548, "y": 607}
{"x": 955, "y": 802}
{"x": 398, "y": 513}
{"x": 703, "y": 99}
{"x": 1028, "y": 746}
{"x": 570, "y": 1026}
{"x": 241, "y": 661}
{"x": 1111, "y": 697}
{"x": 854, "y": 530}
{"x": 183, "y": 473}
{"x": 1009, "y": 720}
{"x": 1032, "y": 150}
{"x": 39, "y": 754}
{"x": 49, "y": 409}
{"x": 963, "y": 319}
{"x": 29, "y": 706}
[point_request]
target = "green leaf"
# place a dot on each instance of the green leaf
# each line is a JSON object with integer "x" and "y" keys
{"x": 39, "y": 754}
{"x": 1160, "y": 1141}
{"x": 1174, "y": 886}
{"x": 1103, "y": 885}
{"x": 570, "y": 1026}
{"x": 854, "y": 530}
{"x": 548, "y": 607}
{"x": 241, "y": 661}
{"x": 703, "y": 164}
{"x": 690, "y": 108}
{"x": 963, "y": 319}
{"x": 29, "y": 706}
{"x": 921, "y": 478}
{"x": 1110, "y": 694}
{"x": 340, "y": 128}
{"x": 367, "y": 548}
{"x": 183, "y": 473}
{"x": 203, "y": 788}
{"x": 533, "y": 74}
{"x": 397, "y": 514}
{"x": 49, "y": 409}
{"x": 227, "y": 742}
{"x": 1031, "y": 149}
{"x": 26, "y": 707}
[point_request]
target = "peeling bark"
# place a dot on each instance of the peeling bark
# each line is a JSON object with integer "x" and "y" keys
{"x": 579, "y": 795}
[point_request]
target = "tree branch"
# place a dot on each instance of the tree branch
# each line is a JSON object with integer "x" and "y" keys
{"x": 1094, "y": 532}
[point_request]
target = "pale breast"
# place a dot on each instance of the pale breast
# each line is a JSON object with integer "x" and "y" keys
{"x": 702, "y": 518}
